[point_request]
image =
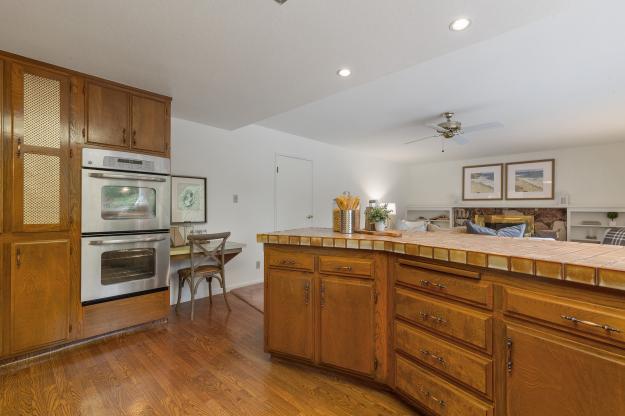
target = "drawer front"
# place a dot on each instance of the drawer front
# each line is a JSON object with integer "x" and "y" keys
{"x": 291, "y": 260}
{"x": 422, "y": 277}
{"x": 465, "y": 325}
{"x": 346, "y": 265}
{"x": 466, "y": 367}
{"x": 435, "y": 394}
{"x": 582, "y": 317}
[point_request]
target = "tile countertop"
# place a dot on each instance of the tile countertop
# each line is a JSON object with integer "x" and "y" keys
{"x": 584, "y": 263}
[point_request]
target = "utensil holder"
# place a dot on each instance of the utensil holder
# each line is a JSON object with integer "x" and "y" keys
{"x": 349, "y": 220}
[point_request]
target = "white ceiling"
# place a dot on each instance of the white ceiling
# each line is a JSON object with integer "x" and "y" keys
{"x": 553, "y": 83}
{"x": 230, "y": 63}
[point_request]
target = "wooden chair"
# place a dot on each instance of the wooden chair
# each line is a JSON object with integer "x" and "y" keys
{"x": 205, "y": 264}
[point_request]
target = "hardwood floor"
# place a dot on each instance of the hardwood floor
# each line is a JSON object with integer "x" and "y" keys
{"x": 212, "y": 366}
{"x": 254, "y": 295}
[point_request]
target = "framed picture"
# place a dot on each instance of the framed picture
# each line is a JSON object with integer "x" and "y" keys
{"x": 530, "y": 180}
{"x": 482, "y": 183}
{"x": 188, "y": 199}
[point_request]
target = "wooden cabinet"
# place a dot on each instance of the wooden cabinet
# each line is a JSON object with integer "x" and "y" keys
{"x": 108, "y": 115}
{"x": 39, "y": 294}
{"x": 149, "y": 125}
{"x": 552, "y": 376}
{"x": 40, "y": 153}
{"x": 289, "y": 313}
{"x": 118, "y": 118}
{"x": 347, "y": 333}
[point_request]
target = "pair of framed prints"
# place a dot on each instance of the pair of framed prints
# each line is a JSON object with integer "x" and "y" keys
{"x": 530, "y": 180}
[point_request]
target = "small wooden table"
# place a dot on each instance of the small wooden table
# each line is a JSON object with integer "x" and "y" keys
{"x": 232, "y": 250}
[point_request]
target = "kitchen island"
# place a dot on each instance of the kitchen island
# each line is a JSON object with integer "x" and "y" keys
{"x": 456, "y": 324}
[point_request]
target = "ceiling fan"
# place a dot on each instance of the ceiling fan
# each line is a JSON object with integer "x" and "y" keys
{"x": 452, "y": 130}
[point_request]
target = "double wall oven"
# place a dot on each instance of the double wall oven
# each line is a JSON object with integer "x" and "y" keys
{"x": 125, "y": 224}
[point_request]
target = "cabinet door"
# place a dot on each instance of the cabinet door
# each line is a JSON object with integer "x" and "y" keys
{"x": 40, "y": 105}
{"x": 108, "y": 116}
{"x": 347, "y": 327}
{"x": 2, "y": 132}
{"x": 150, "y": 125}
{"x": 289, "y": 309}
{"x": 40, "y": 294}
{"x": 552, "y": 376}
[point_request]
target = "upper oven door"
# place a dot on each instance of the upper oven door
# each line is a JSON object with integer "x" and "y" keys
{"x": 124, "y": 201}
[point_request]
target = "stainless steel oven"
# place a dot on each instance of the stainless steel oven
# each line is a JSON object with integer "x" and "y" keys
{"x": 125, "y": 224}
{"x": 124, "y": 192}
{"x": 120, "y": 265}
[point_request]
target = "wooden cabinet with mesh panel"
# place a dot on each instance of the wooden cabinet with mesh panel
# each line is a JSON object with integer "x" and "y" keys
{"x": 40, "y": 149}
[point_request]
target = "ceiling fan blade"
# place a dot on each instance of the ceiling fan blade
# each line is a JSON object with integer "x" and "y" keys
{"x": 483, "y": 126}
{"x": 460, "y": 139}
{"x": 421, "y": 139}
{"x": 436, "y": 127}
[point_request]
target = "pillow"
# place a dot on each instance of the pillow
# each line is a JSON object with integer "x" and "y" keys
{"x": 412, "y": 226}
{"x": 513, "y": 231}
{"x": 473, "y": 228}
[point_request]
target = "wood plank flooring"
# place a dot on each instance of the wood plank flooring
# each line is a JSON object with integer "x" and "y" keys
{"x": 254, "y": 295}
{"x": 212, "y": 366}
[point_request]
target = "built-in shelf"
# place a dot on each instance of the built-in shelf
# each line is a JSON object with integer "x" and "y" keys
{"x": 590, "y": 233}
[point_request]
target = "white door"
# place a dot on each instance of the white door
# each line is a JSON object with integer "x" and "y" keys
{"x": 294, "y": 193}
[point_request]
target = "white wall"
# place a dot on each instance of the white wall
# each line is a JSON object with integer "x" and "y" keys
{"x": 591, "y": 176}
{"x": 242, "y": 162}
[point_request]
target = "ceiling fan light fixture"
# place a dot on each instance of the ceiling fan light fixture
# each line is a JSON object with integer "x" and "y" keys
{"x": 280, "y": 1}
{"x": 459, "y": 24}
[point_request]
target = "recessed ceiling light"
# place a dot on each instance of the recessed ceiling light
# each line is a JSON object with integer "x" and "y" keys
{"x": 344, "y": 72}
{"x": 460, "y": 24}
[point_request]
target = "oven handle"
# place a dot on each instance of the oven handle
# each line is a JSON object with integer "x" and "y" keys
{"x": 108, "y": 242}
{"x": 129, "y": 177}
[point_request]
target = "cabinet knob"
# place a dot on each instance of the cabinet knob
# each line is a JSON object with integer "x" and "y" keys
{"x": 134, "y": 137}
{"x": 124, "y": 136}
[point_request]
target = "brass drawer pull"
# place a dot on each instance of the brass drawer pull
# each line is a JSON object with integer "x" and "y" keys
{"x": 430, "y": 396}
{"x": 344, "y": 268}
{"x": 426, "y": 283}
{"x": 288, "y": 262}
{"x": 322, "y": 301}
{"x": 589, "y": 323}
{"x": 425, "y": 316}
{"x": 438, "y": 358}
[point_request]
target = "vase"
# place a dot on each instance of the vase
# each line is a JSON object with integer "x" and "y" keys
{"x": 612, "y": 223}
{"x": 380, "y": 226}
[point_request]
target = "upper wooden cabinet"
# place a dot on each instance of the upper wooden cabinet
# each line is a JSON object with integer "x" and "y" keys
{"x": 119, "y": 118}
{"x": 150, "y": 125}
{"x": 40, "y": 294}
{"x": 552, "y": 376}
{"x": 40, "y": 149}
{"x": 108, "y": 115}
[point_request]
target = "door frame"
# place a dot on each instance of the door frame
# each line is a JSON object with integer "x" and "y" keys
{"x": 275, "y": 185}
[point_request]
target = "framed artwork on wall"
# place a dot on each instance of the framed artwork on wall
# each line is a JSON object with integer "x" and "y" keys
{"x": 530, "y": 180}
{"x": 482, "y": 183}
{"x": 188, "y": 199}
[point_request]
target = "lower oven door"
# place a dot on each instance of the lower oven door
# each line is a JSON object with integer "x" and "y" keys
{"x": 115, "y": 266}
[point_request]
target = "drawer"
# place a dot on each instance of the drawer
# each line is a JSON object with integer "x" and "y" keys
{"x": 435, "y": 394}
{"x": 291, "y": 260}
{"x": 581, "y": 317}
{"x": 461, "y": 323}
{"x": 466, "y": 367}
{"x": 346, "y": 265}
{"x": 458, "y": 284}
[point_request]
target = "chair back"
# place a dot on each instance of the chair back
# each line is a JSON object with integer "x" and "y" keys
{"x": 199, "y": 253}
{"x": 614, "y": 236}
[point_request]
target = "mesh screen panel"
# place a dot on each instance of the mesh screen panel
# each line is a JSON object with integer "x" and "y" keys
{"x": 42, "y": 111}
{"x": 42, "y": 189}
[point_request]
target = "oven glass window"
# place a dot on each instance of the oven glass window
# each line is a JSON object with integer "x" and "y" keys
{"x": 121, "y": 266}
{"x": 128, "y": 202}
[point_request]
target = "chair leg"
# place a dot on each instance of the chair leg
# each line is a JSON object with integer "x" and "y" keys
{"x": 192, "y": 288}
{"x": 180, "y": 286}
{"x": 210, "y": 289}
{"x": 223, "y": 288}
